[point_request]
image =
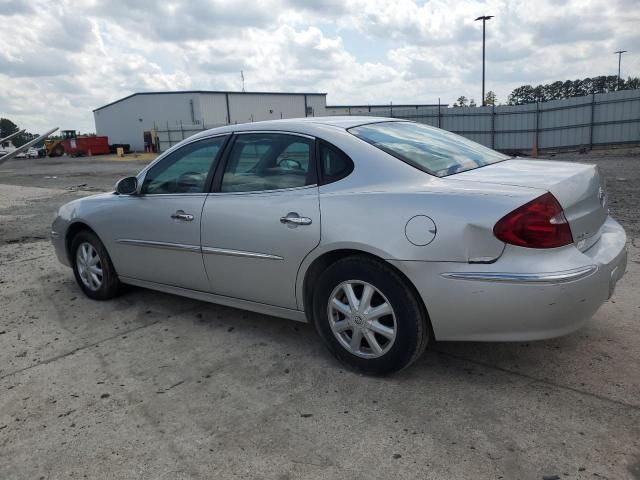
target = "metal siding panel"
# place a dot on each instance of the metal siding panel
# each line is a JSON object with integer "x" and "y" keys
{"x": 121, "y": 121}
{"x": 319, "y": 105}
{"x": 214, "y": 109}
{"x": 247, "y": 107}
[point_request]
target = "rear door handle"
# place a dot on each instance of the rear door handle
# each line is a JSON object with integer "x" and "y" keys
{"x": 180, "y": 215}
{"x": 293, "y": 220}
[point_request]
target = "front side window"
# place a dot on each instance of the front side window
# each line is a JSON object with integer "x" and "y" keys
{"x": 269, "y": 161}
{"x": 185, "y": 170}
{"x": 429, "y": 149}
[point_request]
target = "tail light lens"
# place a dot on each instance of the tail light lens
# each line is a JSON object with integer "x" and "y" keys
{"x": 538, "y": 224}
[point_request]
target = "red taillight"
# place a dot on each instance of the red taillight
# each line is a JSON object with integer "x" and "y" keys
{"x": 538, "y": 224}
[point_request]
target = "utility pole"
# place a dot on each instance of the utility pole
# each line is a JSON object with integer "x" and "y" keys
{"x": 484, "y": 18}
{"x": 619, "y": 53}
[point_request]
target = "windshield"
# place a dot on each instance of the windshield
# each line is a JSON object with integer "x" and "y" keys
{"x": 429, "y": 149}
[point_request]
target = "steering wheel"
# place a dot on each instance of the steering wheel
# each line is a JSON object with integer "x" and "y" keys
{"x": 187, "y": 182}
{"x": 290, "y": 164}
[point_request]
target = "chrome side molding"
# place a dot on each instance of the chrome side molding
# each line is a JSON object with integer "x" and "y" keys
{"x": 164, "y": 245}
{"x": 504, "y": 277}
{"x": 239, "y": 253}
{"x": 197, "y": 248}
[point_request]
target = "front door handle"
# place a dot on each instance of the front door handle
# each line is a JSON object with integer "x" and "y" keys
{"x": 293, "y": 220}
{"x": 180, "y": 215}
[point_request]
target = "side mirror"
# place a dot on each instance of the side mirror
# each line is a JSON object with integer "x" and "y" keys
{"x": 127, "y": 186}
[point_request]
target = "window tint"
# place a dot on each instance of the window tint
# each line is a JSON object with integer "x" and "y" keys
{"x": 333, "y": 163}
{"x": 429, "y": 149}
{"x": 295, "y": 155}
{"x": 268, "y": 162}
{"x": 185, "y": 170}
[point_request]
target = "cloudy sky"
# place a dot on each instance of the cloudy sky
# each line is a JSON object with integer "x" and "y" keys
{"x": 61, "y": 59}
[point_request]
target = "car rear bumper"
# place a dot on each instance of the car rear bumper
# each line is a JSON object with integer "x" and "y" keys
{"x": 525, "y": 295}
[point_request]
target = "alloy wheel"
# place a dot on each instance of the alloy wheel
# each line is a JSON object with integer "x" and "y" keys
{"x": 362, "y": 319}
{"x": 89, "y": 266}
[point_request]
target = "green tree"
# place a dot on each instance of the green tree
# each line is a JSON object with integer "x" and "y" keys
{"x": 632, "y": 83}
{"x": 490, "y": 98}
{"x": 7, "y": 127}
{"x": 462, "y": 101}
{"x": 612, "y": 83}
{"x": 552, "y": 91}
{"x": 570, "y": 88}
{"x": 522, "y": 95}
{"x": 472, "y": 103}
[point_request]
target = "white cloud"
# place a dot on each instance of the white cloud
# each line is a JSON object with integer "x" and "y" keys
{"x": 60, "y": 60}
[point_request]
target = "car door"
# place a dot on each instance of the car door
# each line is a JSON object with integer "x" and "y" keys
{"x": 263, "y": 218}
{"x": 156, "y": 233}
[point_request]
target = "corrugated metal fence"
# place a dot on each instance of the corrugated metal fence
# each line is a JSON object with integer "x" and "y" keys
{"x": 580, "y": 122}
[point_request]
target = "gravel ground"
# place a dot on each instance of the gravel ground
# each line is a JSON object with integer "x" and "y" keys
{"x": 155, "y": 386}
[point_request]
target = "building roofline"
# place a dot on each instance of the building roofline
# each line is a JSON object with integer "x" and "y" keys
{"x": 387, "y": 105}
{"x": 228, "y": 92}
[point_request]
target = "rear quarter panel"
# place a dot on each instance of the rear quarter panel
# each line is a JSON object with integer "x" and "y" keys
{"x": 369, "y": 210}
{"x": 464, "y": 222}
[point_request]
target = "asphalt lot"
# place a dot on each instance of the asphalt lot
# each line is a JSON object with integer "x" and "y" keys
{"x": 155, "y": 386}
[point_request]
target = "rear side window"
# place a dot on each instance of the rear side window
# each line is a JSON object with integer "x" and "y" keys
{"x": 268, "y": 161}
{"x": 429, "y": 149}
{"x": 334, "y": 164}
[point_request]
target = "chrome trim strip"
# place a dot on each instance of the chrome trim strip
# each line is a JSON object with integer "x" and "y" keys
{"x": 164, "y": 245}
{"x": 197, "y": 248}
{"x": 282, "y": 132}
{"x": 240, "y": 253}
{"x": 173, "y": 148}
{"x": 552, "y": 277}
{"x": 266, "y": 192}
{"x": 163, "y": 195}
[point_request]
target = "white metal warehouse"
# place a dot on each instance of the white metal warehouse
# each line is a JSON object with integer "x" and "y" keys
{"x": 126, "y": 121}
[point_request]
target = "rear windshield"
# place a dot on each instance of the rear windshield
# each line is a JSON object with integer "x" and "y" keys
{"x": 429, "y": 149}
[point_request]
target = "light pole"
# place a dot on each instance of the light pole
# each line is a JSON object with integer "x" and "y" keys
{"x": 484, "y": 18}
{"x": 619, "y": 52}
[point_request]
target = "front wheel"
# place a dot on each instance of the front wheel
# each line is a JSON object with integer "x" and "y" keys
{"x": 57, "y": 151}
{"x": 368, "y": 316}
{"x": 92, "y": 267}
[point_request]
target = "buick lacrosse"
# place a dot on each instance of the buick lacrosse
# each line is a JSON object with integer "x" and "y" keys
{"x": 383, "y": 233}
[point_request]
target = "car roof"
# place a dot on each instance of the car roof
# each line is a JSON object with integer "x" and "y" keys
{"x": 308, "y": 125}
{"x": 346, "y": 121}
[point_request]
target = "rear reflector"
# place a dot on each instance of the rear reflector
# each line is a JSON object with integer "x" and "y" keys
{"x": 538, "y": 224}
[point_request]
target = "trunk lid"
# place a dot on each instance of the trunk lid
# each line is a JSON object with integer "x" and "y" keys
{"x": 577, "y": 186}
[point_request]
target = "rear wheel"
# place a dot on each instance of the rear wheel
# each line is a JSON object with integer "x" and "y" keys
{"x": 368, "y": 316}
{"x": 92, "y": 267}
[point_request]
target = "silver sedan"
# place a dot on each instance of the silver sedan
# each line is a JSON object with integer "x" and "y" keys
{"x": 384, "y": 234}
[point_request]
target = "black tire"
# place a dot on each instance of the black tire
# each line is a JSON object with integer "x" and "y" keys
{"x": 110, "y": 284}
{"x": 58, "y": 151}
{"x": 413, "y": 330}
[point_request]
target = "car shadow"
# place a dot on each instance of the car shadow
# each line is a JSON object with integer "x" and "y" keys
{"x": 581, "y": 361}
